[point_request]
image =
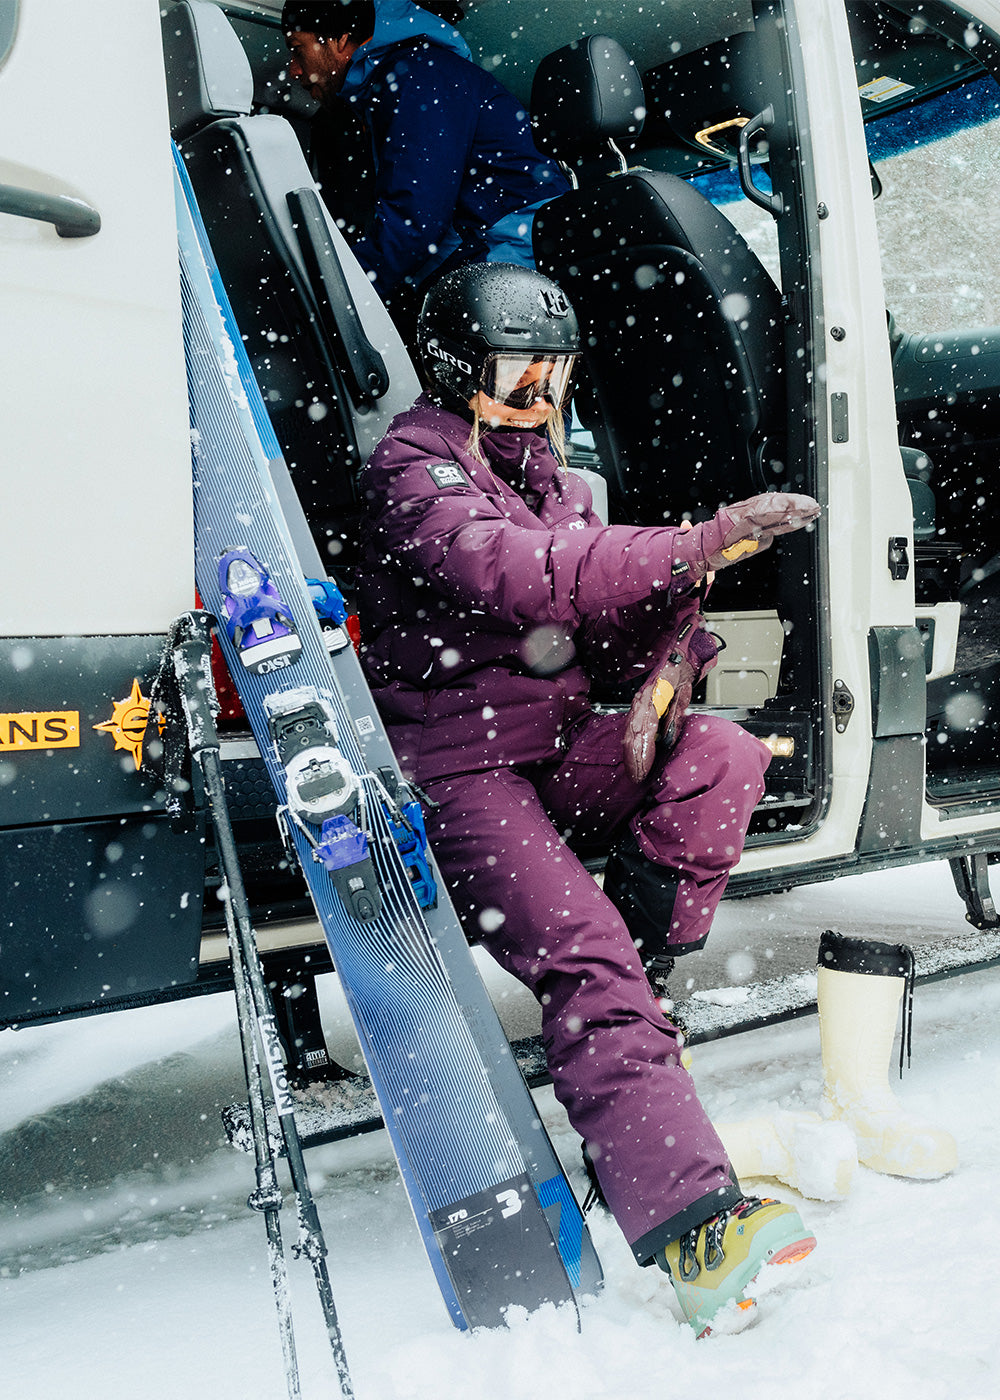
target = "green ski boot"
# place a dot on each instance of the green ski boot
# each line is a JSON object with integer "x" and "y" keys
{"x": 713, "y": 1265}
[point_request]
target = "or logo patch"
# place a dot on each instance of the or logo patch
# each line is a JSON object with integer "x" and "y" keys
{"x": 39, "y": 729}
{"x": 555, "y": 302}
{"x": 445, "y": 474}
{"x": 128, "y": 723}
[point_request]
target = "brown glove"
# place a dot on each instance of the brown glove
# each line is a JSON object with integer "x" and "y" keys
{"x": 748, "y": 527}
{"x": 657, "y": 710}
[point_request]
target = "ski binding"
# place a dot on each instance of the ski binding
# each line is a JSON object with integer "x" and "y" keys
{"x": 410, "y": 836}
{"x": 319, "y": 781}
{"x": 331, "y": 609}
{"x": 343, "y": 850}
{"x": 259, "y": 624}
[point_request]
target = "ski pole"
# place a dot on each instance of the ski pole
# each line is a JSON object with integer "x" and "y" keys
{"x": 190, "y": 638}
{"x": 188, "y": 645}
{"x": 267, "y": 1197}
{"x": 311, "y": 1242}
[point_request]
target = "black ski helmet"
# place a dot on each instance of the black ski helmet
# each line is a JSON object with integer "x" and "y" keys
{"x": 480, "y": 310}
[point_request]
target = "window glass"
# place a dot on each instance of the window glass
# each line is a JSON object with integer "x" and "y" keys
{"x": 938, "y": 214}
{"x": 756, "y": 225}
{"x": 8, "y": 23}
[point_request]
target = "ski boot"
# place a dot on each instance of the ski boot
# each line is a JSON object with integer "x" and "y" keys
{"x": 714, "y": 1265}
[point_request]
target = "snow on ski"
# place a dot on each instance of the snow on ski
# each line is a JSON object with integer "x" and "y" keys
{"x": 496, "y": 1214}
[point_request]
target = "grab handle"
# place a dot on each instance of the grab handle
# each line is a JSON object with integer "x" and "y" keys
{"x": 762, "y": 122}
{"x": 359, "y": 361}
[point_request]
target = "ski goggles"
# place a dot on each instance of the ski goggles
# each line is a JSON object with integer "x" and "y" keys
{"x": 519, "y": 380}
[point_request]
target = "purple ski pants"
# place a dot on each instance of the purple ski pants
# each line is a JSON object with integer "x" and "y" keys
{"x": 500, "y": 838}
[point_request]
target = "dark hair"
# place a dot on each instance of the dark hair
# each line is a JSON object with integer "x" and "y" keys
{"x": 331, "y": 18}
{"x": 328, "y": 19}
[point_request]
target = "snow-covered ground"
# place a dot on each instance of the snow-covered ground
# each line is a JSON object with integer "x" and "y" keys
{"x": 129, "y": 1265}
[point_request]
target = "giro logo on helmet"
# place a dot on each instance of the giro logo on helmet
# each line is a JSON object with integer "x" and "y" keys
{"x": 554, "y": 301}
{"x": 439, "y": 353}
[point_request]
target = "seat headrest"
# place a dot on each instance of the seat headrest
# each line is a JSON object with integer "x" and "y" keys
{"x": 584, "y": 95}
{"x": 208, "y": 73}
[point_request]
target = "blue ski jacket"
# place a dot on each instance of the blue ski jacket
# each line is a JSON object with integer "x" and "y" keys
{"x": 458, "y": 177}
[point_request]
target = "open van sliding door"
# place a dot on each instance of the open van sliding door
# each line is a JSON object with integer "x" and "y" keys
{"x": 929, "y": 94}
{"x": 101, "y": 901}
{"x": 933, "y": 136}
{"x": 776, "y": 615}
{"x": 801, "y": 73}
{"x": 868, "y": 708}
{"x": 806, "y": 207}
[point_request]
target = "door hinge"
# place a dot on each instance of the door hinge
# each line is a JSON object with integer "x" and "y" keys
{"x": 840, "y": 423}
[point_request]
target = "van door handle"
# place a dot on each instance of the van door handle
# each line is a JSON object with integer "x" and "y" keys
{"x": 763, "y": 121}
{"x": 73, "y": 218}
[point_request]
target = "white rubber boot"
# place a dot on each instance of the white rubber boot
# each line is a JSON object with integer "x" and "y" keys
{"x": 861, "y": 985}
{"x": 815, "y": 1155}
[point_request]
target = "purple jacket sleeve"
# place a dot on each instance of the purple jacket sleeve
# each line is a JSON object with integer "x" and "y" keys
{"x": 479, "y": 557}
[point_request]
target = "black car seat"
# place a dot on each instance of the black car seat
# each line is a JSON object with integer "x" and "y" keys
{"x": 330, "y": 363}
{"x": 682, "y": 324}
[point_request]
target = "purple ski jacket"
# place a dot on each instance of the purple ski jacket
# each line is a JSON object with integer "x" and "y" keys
{"x": 491, "y": 597}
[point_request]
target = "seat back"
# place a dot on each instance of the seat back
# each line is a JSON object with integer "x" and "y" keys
{"x": 331, "y": 365}
{"x": 682, "y": 324}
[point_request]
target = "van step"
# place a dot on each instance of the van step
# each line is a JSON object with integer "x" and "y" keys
{"x": 331, "y": 1109}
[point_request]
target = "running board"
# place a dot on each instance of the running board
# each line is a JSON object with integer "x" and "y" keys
{"x": 328, "y": 1110}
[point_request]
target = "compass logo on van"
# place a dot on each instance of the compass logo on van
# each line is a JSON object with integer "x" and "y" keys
{"x": 127, "y": 724}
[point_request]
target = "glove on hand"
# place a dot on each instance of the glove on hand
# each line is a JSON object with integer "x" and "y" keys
{"x": 748, "y": 527}
{"x": 660, "y": 704}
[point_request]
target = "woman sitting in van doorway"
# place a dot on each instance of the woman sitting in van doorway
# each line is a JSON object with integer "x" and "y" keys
{"x": 491, "y": 596}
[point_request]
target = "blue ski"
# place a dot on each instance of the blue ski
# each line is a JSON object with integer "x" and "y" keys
{"x": 495, "y": 1211}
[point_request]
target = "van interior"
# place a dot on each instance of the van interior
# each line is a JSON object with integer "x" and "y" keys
{"x": 684, "y": 244}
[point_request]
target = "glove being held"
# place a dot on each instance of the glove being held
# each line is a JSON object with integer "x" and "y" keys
{"x": 657, "y": 710}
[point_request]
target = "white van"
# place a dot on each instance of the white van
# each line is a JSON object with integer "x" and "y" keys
{"x": 790, "y": 278}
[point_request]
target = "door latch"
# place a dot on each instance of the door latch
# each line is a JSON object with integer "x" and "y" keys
{"x": 843, "y": 706}
{"x": 899, "y": 557}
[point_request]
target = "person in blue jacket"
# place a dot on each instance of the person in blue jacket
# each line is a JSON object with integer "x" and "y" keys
{"x": 456, "y": 173}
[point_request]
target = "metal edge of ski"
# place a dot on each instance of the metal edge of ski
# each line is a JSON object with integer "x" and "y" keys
{"x": 481, "y": 1215}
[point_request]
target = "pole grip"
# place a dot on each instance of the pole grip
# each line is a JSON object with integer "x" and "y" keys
{"x": 190, "y": 643}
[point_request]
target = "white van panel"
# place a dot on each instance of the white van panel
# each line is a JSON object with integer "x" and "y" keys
{"x": 95, "y": 534}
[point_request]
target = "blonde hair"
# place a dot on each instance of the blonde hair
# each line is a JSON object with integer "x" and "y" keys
{"x": 555, "y": 428}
